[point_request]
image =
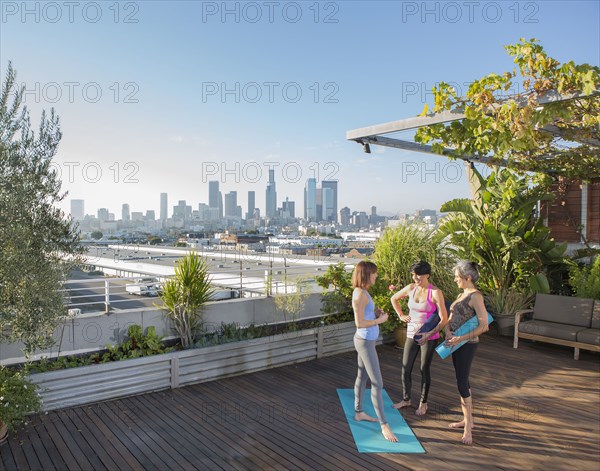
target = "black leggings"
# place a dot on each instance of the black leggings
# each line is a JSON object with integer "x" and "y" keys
{"x": 411, "y": 349}
{"x": 462, "y": 360}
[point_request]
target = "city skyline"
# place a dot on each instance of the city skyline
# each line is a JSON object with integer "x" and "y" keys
{"x": 167, "y": 96}
{"x": 325, "y": 212}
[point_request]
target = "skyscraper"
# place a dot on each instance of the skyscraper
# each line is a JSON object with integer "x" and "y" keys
{"x": 231, "y": 204}
{"x": 125, "y": 212}
{"x": 327, "y": 204}
{"x": 345, "y": 216}
{"x": 251, "y": 204}
{"x": 289, "y": 207}
{"x": 271, "y": 196}
{"x": 310, "y": 200}
{"x": 215, "y": 199}
{"x": 77, "y": 210}
{"x": 103, "y": 214}
{"x": 333, "y": 184}
{"x": 164, "y": 207}
{"x": 319, "y": 204}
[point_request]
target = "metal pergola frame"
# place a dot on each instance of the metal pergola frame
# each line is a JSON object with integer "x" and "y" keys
{"x": 375, "y": 135}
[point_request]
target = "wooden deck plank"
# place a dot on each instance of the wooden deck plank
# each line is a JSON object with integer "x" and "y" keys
{"x": 6, "y": 458}
{"x": 306, "y": 409}
{"x": 121, "y": 426}
{"x": 535, "y": 408}
{"x": 245, "y": 421}
{"x": 50, "y": 457}
{"x": 85, "y": 451}
{"x": 179, "y": 429}
{"x": 126, "y": 459}
{"x": 60, "y": 445}
{"x": 88, "y": 433}
{"x": 168, "y": 430}
{"x": 241, "y": 436}
{"x": 145, "y": 429}
{"x": 217, "y": 447}
{"x": 232, "y": 435}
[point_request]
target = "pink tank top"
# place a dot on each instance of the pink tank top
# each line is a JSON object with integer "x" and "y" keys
{"x": 420, "y": 313}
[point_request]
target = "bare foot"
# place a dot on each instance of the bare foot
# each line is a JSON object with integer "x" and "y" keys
{"x": 460, "y": 424}
{"x": 422, "y": 410}
{"x": 467, "y": 438}
{"x": 388, "y": 434}
{"x": 401, "y": 404}
{"x": 363, "y": 416}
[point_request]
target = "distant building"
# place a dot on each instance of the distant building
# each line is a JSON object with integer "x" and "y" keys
{"x": 102, "y": 214}
{"x": 215, "y": 199}
{"x": 327, "y": 204}
{"x": 310, "y": 200}
{"x": 164, "y": 207}
{"x": 271, "y": 196}
{"x": 251, "y": 204}
{"x": 333, "y": 185}
{"x": 125, "y": 216}
{"x": 345, "y": 216}
{"x": 231, "y": 204}
{"x": 137, "y": 216}
{"x": 428, "y": 215}
{"x": 289, "y": 207}
{"x": 78, "y": 210}
{"x": 182, "y": 211}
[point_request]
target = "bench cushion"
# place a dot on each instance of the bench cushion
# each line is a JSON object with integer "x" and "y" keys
{"x": 563, "y": 309}
{"x": 591, "y": 336}
{"x": 596, "y": 315}
{"x": 550, "y": 329}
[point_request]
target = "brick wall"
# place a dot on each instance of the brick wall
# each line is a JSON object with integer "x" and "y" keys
{"x": 563, "y": 215}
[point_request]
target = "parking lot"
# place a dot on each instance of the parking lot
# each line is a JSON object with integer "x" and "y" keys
{"x": 231, "y": 272}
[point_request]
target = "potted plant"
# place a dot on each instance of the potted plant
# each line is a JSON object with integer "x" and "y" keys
{"x": 503, "y": 304}
{"x": 18, "y": 398}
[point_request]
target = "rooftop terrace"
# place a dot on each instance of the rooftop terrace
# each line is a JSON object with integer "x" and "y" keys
{"x": 535, "y": 408}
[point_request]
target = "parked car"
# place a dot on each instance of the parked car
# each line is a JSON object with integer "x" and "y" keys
{"x": 142, "y": 289}
{"x": 223, "y": 294}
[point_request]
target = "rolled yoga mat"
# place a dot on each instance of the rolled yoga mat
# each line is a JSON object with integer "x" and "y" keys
{"x": 445, "y": 351}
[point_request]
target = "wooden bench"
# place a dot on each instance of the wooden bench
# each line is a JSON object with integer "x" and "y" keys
{"x": 561, "y": 320}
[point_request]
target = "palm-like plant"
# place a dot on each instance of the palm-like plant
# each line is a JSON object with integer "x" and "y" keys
{"x": 497, "y": 230}
{"x": 186, "y": 295}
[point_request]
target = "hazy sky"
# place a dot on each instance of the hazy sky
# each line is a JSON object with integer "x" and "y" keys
{"x": 160, "y": 96}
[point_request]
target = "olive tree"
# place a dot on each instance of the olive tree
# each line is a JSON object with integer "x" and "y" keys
{"x": 38, "y": 244}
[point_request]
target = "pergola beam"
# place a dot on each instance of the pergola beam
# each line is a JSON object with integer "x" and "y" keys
{"x": 449, "y": 116}
{"x": 426, "y": 149}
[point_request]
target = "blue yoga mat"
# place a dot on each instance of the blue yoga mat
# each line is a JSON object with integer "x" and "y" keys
{"x": 445, "y": 351}
{"x": 432, "y": 322}
{"x": 368, "y": 436}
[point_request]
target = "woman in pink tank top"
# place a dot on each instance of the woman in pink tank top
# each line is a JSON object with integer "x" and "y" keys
{"x": 424, "y": 301}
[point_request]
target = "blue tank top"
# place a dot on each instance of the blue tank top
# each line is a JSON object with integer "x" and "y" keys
{"x": 369, "y": 333}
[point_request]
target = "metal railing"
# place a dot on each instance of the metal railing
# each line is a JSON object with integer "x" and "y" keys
{"x": 234, "y": 279}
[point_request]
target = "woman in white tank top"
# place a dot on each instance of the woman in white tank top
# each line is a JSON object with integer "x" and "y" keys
{"x": 424, "y": 301}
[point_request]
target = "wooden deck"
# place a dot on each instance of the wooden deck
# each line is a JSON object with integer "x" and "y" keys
{"x": 535, "y": 408}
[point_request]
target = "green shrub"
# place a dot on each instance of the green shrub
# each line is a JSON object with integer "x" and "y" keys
{"x": 585, "y": 280}
{"x": 18, "y": 397}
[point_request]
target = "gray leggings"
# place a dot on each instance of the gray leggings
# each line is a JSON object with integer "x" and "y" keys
{"x": 368, "y": 366}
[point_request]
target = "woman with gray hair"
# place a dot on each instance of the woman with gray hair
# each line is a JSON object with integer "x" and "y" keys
{"x": 469, "y": 303}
